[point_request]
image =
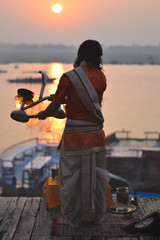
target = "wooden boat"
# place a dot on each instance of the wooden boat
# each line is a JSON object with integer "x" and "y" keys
{"x": 133, "y": 162}
{"x": 26, "y": 164}
{"x": 29, "y": 80}
{"x": 135, "y": 159}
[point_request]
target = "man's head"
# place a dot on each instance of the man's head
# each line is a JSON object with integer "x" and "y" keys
{"x": 89, "y": 51}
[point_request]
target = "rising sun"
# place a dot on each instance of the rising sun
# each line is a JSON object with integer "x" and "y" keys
{"x": 57, "y": 8}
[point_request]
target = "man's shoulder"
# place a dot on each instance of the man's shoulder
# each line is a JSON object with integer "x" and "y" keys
{"x": 68, "y": 72}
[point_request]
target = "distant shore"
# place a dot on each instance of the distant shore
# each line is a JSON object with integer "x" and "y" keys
{"x": 20, "y": 53}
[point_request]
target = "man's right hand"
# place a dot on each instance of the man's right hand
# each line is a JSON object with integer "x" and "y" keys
{"x": 41, "y": 115}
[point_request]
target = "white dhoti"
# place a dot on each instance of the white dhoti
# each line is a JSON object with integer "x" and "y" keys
{"x": 83, "y": 183}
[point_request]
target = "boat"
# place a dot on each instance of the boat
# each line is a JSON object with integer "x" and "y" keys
{"x": 132, "y": 162}
{"x": 29, "y": 80}
{"x": 135, "y": 159}
{"x": 26, "y": 164}
{"x": 3, "y": 71}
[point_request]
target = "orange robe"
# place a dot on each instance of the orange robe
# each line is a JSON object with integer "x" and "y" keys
{"x": 75, "y": 110}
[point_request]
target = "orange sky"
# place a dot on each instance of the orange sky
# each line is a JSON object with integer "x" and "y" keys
{"x": 111, "y": 22}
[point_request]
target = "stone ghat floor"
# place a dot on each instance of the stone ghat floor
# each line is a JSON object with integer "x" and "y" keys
{"x": 27, "y": 218}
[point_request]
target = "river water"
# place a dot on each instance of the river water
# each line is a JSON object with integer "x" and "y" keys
{"x": 131, "y": 101}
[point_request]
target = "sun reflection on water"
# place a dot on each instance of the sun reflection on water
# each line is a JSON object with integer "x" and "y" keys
{"x": 56, "y": 71}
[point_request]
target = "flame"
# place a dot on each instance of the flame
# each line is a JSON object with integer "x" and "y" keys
{"x": 51, "y": 128}
{"x": 19, "y": 100}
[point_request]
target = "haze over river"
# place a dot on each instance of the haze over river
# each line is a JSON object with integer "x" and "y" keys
{"x": 131, "y": 101}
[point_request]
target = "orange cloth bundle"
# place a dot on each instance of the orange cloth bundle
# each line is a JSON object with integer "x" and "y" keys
{"x": 51, "y": 192}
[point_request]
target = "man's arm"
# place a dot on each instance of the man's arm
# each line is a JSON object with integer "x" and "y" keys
{"x": 49, "y": 111}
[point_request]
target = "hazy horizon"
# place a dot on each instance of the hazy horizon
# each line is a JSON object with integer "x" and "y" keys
{"x": 117, "y": 54}
{"x": 76, "y": 46}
